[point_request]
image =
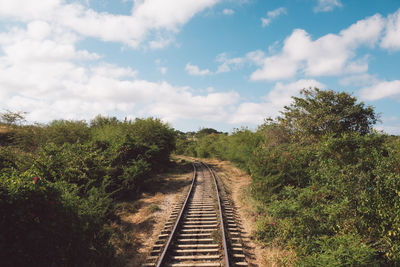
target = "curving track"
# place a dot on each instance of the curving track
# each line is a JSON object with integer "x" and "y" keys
{"x": 202, "y": 229}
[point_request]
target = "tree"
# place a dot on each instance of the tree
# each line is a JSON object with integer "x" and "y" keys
{"x": 100, "y": 121}
{"x": 206, "y": 131}
{"x": 321, "y": 112}
{"x": 67, "y": 131}
{"x": 273, "y": 133}
{"x": 13, "y": 118}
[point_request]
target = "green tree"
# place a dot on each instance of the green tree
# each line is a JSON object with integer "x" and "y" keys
{"x": 321, "y": 112}
{"x": 12, "y": 118}
{"x": 67, "y": 131}
{"x": 100, "y": 121}
{"x": 273, "y": 133}
{"x": 206, "y": 131}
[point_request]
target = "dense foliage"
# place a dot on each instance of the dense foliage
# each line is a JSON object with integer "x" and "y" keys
{"x": 59, "y": 183}
{"x": 320, "y": 113}
{"x": 326, "y": 184}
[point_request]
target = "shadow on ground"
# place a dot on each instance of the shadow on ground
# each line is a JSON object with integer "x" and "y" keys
{"x": 136, "y": 219}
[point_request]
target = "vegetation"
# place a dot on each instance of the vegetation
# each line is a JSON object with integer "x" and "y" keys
{"x": 59, "y": 184}
{"x": 327, "y": 184}
{"x": 321, "y": 113}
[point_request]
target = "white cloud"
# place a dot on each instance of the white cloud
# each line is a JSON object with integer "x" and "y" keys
{"x": 391, "y": 39}
{"x": 113, "y": 71}
{"x": 256, "y": 57}
{"x": 227, "y": 64}
{"x": 388, "y": 128}
{"x": 389, "y": 125}
{"x": 275, "y": 68}
{"x": 331, "y": 54}
{"x": 70, "y": 83}
{"x": 195, "y": 70}
{"x": 184, "y": 105}
{"x": 254, "y": 113}
{"x": 163, "y": 70}
{"x": 358, "y": 80}
{"x": 357, "y": 66}
{"x": 149, "y": 18}
{"x": 228, "y": 11}
{"x": 65, "y": 85}
{"x": 327, "y": 5}
{"x": 42, "y": 70}
{"x": 272, "y": 15}
{"x": 160, "y": 42}
{"x": 41, "y": 43}
{"x": 272, "y": 103}
{"x": 26, "y": 10}
{"x": 38, "y": 30}
{"x": 381, "y": 90}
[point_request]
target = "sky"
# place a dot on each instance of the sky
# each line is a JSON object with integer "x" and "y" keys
{"x": 223, "y": 64}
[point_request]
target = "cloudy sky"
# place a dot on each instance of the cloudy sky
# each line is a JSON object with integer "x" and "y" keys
{"x": 195, "y": 63}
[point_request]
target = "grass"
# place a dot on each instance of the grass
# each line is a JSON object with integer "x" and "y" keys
{"x": 153, "y": 208}
{"x": 127, "y": 207}
{"x": 217, "y": 236}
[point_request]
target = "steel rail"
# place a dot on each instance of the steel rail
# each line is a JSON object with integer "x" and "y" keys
{"x": 171, "y": 237}
{"x": 221, "y": 216}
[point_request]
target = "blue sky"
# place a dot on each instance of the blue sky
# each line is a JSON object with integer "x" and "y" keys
{"x": 195, "y": 63}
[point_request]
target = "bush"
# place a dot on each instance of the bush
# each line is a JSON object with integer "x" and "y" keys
{"x": 320, "y": 113}
{"x": 237, "y": 147}
{"x": 64, "y": 131}
{"x": 339, "y": 190}
{"x": 157, "y": 137}
{"x": 279, "y": 166}
{"x": 341, "y": 250}
{"x": 327, "y": 185}
{"x": 79, "y": 164}
{"x": 62, "y": 217}
{"x": 7, "y": 159}
{"x": 48, "y": 224}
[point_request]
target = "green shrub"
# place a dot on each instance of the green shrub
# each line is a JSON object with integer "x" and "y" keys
{"x": 151, "y": 134}
{"x": 81, "y": 164}
{"x": 237, "y": 147}
{"x": 279, "y": 166}
{"x": 65, "y": 131}
{"x": 327, "y": 185}
{"x": 48, "y": 224}
{"x": 332, "y": 191}
{"x": 341, "y": 250}
{"x": 7, "y": 158}
{"x": 62, "y": 218}
{"x": 153, "y": 208}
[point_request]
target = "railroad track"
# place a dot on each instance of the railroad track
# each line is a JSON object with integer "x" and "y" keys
{"x": 202, "y": 230}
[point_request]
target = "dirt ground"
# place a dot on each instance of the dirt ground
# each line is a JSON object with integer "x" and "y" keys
{"x": 140, "y": 222}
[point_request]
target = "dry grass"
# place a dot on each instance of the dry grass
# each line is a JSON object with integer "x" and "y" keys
{"x": 140, "y": 222}
{"x": 4, "y": 129}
